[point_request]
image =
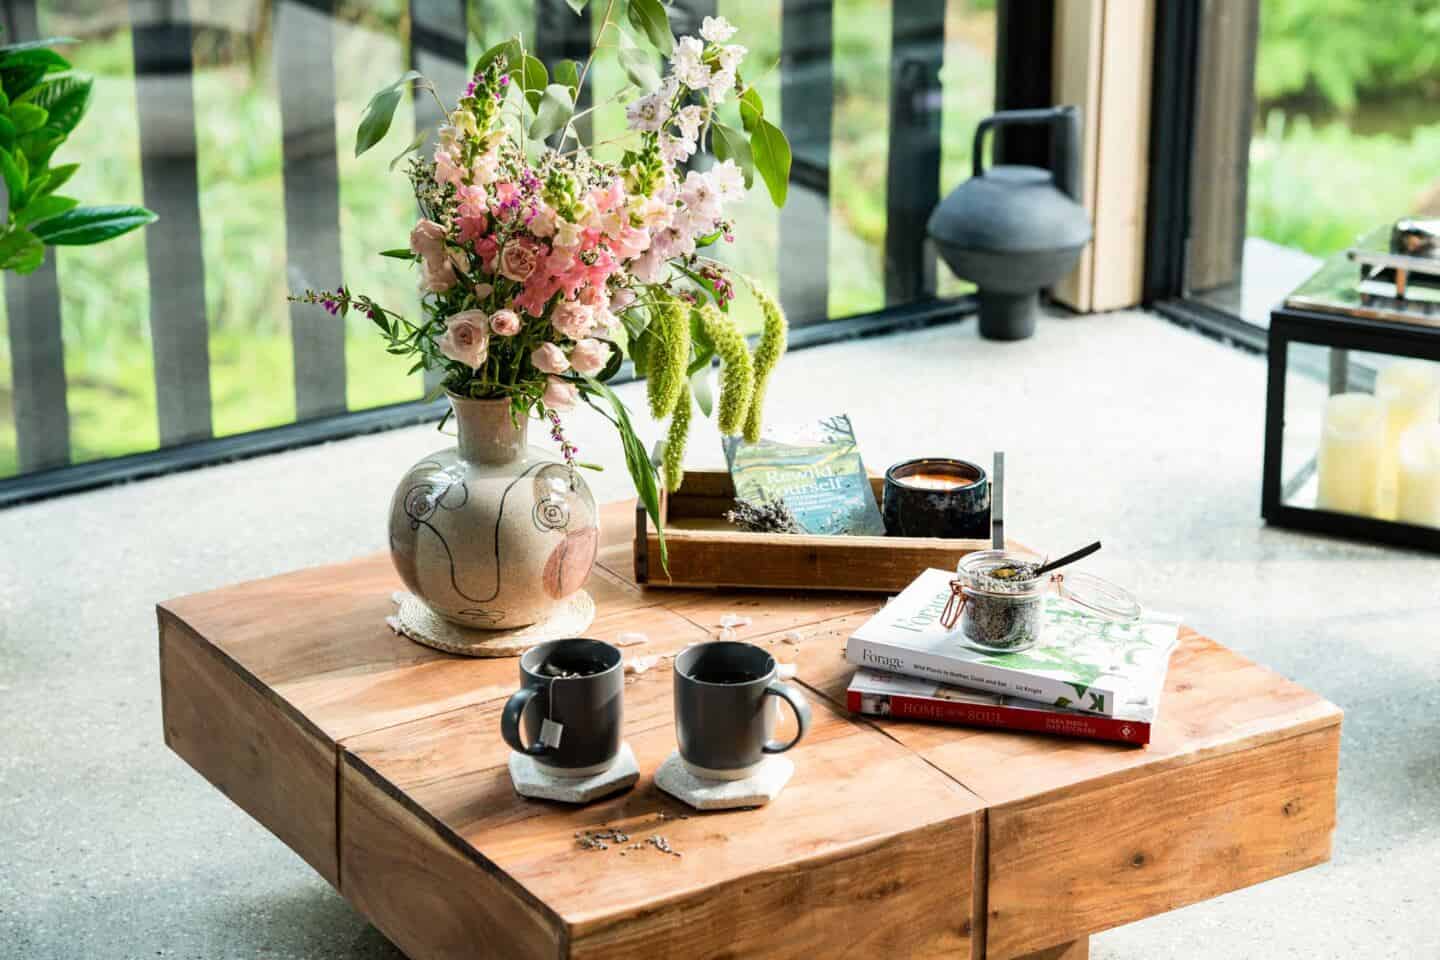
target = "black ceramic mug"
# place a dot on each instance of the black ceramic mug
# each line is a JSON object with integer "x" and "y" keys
{"x": 570, "y": 704}
{"x": 723, "y": 719}
{"x": 937, "y": 497}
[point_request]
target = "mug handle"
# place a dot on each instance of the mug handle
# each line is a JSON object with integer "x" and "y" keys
{"x": 797, "y": 703}
{"x": 510, "y": 722}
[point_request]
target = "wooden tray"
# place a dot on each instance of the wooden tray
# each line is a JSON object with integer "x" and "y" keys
{"x": 707, "y": 551}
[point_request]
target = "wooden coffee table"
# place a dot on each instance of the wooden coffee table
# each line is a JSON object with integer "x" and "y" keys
{"x": 379, "y": 762}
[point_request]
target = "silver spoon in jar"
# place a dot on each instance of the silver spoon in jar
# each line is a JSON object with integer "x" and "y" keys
{"x": 1080, "y": 554}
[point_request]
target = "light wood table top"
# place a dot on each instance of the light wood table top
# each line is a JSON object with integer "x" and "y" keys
{"x": 379, "y": 762}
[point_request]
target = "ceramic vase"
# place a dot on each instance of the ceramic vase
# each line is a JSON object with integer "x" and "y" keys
{"x": 493, "y": 534}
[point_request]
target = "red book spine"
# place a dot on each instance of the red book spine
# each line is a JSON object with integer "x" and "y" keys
{"x": 1085, "y": 726}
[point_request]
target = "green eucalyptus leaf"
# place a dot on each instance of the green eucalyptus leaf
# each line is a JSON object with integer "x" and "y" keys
{"x": 649, "y": 17}
{"x": 772, "y": 159}
{"x": 752, "y": 108}
{"x": 578, "y": 5}
{"x": 532, "y": 79}
{"x": 44, "y": 207}
{"x": 555, "y": 110}
{"x": 21, "y": 251}
{"x": 380, "y": 111}
{"x": 86, "y": 225}
{"x": 509, "y": 49}
{"x": 730, "y": 144}
{"x": 399, "y": 253}
{"x": 568, "y": 73}
{"x": 637, "y": 63}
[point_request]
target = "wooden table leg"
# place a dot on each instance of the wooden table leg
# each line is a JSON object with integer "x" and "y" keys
{"x": 1074, "y": 950}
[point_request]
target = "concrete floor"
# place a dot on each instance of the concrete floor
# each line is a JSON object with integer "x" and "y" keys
{"x": 1132, "y": 430}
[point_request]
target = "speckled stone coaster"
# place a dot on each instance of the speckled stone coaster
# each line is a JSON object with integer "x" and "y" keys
{"x": 754, "y": 791}
{"x": 531, "y": 781}
{"x": 423, "y": 625}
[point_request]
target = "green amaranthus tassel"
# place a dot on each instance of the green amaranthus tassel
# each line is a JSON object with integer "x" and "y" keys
{"x": 673, "y": 461}
{"x": 737, "y": 373}
{"x": 767, "y": 354}
{"x": 669, "y": 356}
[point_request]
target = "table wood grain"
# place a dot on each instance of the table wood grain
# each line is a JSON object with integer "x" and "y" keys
{"x": 378, "y": 761}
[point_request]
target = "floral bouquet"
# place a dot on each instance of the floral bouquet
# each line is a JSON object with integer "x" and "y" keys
{"x": 542, "y": 266}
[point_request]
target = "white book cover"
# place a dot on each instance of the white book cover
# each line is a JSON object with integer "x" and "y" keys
{"x": 1081, "y": 661}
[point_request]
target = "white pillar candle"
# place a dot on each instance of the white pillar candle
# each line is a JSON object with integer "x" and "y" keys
{"x": 1409, "y": 393}
{"x": 1418, "y": 481}
{"x": 1352, "y": 442}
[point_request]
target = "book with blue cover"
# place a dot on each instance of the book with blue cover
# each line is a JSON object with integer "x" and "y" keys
{"x": 816, "y": 469}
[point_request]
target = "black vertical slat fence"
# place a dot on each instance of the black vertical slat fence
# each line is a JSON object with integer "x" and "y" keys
{"x": 807, "y": 96}
{"x": 304, "y": 39}
{"x": 561, "y": 34}
{"x": 179, "y": 333}
{"x": 917, "y": 52}
{"x": 32, "y": 309}
{"x": 437, "y": 49}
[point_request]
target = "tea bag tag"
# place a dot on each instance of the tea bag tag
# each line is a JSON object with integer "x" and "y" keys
{"x": 550, "y": 732}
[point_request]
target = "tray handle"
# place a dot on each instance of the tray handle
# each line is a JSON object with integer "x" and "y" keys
{"x": 997, "y": 501}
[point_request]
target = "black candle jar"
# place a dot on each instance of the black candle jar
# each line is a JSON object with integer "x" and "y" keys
{"x": 937, "y": 497}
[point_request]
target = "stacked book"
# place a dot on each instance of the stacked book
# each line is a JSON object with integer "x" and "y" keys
{"x": 1085, "y": 677}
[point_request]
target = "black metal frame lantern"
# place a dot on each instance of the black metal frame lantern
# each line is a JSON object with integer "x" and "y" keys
{"x": 1281, "y": 500}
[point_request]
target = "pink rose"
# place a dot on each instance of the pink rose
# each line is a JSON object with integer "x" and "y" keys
{"x": 572, "y": 319}
{"x": 505, "y": 323}
{"x": 590, "y": 356}
{"x": 428, "y": 240}
{"x": 559, "y": 395}
{"x": 549, "y": 358}
{"x": 518, "y": 259}
{"x": 465, "y": 339}
{"x": 483, "y": 290}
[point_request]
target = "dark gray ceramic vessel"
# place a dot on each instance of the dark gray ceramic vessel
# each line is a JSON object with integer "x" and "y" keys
{"x": 724, "y": 728}
{"x": 590, "y": 708}
{"x": 1015, "y": 229}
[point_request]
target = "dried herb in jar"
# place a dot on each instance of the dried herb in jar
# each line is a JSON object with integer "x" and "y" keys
{"x": 1003, "y": 602}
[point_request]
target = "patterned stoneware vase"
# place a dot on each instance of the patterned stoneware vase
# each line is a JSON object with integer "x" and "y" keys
{"x": 493, "y": 534}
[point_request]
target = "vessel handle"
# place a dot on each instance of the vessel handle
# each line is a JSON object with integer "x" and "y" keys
{"x": 1064, "y": 141}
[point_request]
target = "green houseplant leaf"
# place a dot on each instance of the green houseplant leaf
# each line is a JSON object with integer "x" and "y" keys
{"x": 86, "y": 225}
{"x": 649, "y": 17}
{"x": 28, "y": 117}
{"x": 44, "y": 207}
{"x": 37, "y": 56}
{"x": 14, "y": 176}
{"x": 21, "y": 251}
{"x": 379, "y": 112}
{"x": 772, "y": 159}
{"x": 66, "y": 98}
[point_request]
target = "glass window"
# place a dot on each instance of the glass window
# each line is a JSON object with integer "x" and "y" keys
{"x": 236, "y": 123}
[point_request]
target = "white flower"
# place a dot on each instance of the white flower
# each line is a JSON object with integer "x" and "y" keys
{"x": 728, "y": 180}
{"x": 647, "y": 113}
{"x": 702, "y": 201}
{"x": 716, "y": 29}
{"x": 687, "y": 64}
{"x": 689, "y": 120}
{"x": 730, "y": 56}
{"x": 675, "y": 150}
